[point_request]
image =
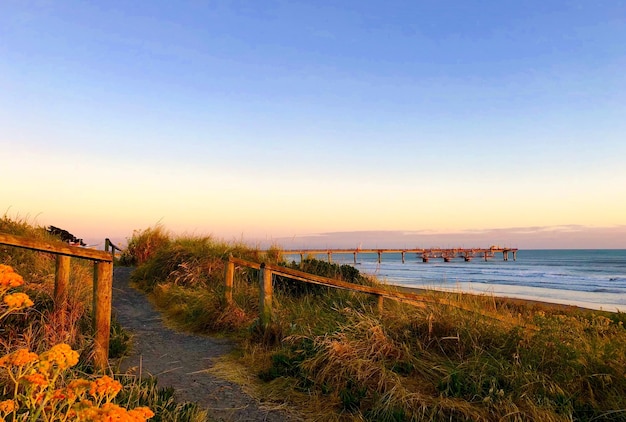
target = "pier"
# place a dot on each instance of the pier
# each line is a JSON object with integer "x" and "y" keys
{"x": 467, "y": 254}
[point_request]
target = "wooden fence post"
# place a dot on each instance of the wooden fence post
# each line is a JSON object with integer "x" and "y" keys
{"x": 102, "y": 290}
{"x": 61, "y": 282}
{"x": 108, "y": 244}
{"x": 380, "y": 304}
{"x": 229, "y": 281}
{"x": 265, "y": 304}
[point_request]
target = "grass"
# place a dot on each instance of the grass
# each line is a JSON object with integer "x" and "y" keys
{"x": 38, "y": 329}
{"x": 328, "y": 353}
{"x": 144, "y": 392}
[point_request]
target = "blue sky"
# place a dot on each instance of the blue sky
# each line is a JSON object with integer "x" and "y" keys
{"x": 274, "y": 120}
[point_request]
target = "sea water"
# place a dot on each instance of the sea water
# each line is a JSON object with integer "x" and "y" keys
{"x": 594, "y": 279}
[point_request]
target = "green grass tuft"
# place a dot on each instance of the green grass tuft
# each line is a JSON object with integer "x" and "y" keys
{"x": 144, "y": 392}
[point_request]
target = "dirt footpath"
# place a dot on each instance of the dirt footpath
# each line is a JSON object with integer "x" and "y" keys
{"x": 178, "y": 360}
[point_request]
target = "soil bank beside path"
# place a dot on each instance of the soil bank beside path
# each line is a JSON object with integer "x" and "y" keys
{"x": 179, "y": 360}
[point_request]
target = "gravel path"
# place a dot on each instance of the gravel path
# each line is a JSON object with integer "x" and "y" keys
{"x": 178, "y": 360}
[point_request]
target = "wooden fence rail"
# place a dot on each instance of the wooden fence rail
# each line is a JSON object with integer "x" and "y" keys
{"x": 102, "y": 285}
{"x": 265, "y": 282}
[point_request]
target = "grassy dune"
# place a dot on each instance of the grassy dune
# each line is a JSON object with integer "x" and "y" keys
{"x": 328, "y": 352}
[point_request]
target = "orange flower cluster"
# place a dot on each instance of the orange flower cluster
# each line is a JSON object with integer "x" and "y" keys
{"x": 17, "y": 301}
{"x": 9, "y": 278}
{"x": 110, "y": 412}
{"x": 36, "y": 379}
{"x": 105, "y": 386}
{"x": 38, "y": 375}
{"x": 20, "y": 357}
{"x": 60, "y": 356}
{"x": 35, "y": 376}
{"x": 76, "y": 388}
{"x": 7, "y": 406}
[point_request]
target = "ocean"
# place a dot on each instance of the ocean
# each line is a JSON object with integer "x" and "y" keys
{"x": 594, "y": 279}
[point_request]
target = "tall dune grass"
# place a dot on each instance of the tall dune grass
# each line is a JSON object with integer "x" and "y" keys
{"x": 186, "y": 278}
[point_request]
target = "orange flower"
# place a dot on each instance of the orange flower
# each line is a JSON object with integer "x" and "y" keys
{"x": 105, "y": 386}
{"x": 20, "y": 357}
{"x": 39, "y": 397}
{"x": 62, "y": 355}
{"x": 36, "y": 379}
{"x": 140, "y": 413}
{"x": 110, "y": 412}
{"x": 76, "y": 387}
{"x": 9, "y": 278}
{"x": 59, "y": 394}
{"x": 5, "y": 269}
{"x": 79, "y": 384}
{"x": 86, "y": 411}
{"x": 18, "y": 300}
{"x": 7, "y": 406}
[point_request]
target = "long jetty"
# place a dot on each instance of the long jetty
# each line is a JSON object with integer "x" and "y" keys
{"x": 424, "y": 254}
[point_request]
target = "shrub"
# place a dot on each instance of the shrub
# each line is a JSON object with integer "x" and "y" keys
{"x": 190, "y": 262}
{"x": 344, "y": 272}
{"x": 143, "y": 245}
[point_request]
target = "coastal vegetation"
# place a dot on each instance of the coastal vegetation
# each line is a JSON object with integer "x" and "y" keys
{"x": 331, "y": 355}
{"x": 45, "y": 363}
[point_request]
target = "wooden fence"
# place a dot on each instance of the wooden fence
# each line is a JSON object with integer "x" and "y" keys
{"x": 266, "y": 271}
{"x": 102, "y": 285}
{"x": 108, "y": 245}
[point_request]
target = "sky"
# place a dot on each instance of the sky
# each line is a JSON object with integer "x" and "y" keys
{"x": 318, "y": 123}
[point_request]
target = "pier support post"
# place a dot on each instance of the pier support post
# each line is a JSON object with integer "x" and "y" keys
{"x": 330, "y": 257}
{"x": 403, "y": 257}
{"x": 380, "y": 254}
{"x": 514, "y": 255}
{"x": 354, "y": 258}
